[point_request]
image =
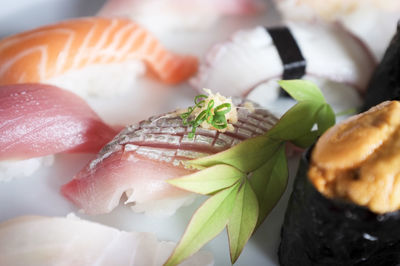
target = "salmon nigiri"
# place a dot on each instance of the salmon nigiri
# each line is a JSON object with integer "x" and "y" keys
{"x": 46, "y": 53}
{"x": 39, "y": 120}
{"x": 139, "y": 160}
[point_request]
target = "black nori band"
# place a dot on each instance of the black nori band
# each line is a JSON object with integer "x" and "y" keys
{"x": 385, "y": 82}
{"x": 321, "y": 231}
{"x": 294, "y": 64}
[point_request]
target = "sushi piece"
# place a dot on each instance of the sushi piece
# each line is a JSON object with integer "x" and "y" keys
{"x": 39, "y": 120}
{"x": 95, "y": 50}
{"x": 385, "y": 82}
{"x": 250, "y": 63}
{"x": 169, "y": 15}
{"x": 369, "y": 20}
{"x": 37, "y": 240}
{"x": 139, "y": 160}
{"x": 344, "y": 209}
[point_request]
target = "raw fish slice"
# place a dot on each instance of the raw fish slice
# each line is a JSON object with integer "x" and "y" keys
{"x": 373, "y": 21}
{"x": 38, "y": 120}
{"x": 164, "y": 15}
{"x": 49, "y": 51}
{"x": 35, "y": 240}
{"x": 139, "y": 160}
{"x": 249, "y": 61}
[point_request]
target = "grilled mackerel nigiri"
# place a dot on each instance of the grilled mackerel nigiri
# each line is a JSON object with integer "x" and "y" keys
{"x": 48, "y": 53}
{"x": 139, "y": 160}
{"x": 38, "y": 120}
{"x": 37, "y": 241}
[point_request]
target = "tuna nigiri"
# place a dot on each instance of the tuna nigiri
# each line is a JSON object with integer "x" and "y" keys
{"x": 36, "y": 240}
{"x": 139, "y": 160}
{"x": 51, "y": 54}
{"x": 164, "y": 15}
{"x": 39, "y": 120}
{"x": 252, "y": 60}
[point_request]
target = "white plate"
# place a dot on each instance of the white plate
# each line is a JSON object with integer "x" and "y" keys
{"x": 40, "y": 195}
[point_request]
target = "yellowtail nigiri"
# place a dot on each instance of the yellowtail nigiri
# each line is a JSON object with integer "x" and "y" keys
{"x": 139, "y": 160}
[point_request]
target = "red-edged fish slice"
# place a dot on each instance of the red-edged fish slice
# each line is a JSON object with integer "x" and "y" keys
{"x": 38, "y": 120}
{"x": 139, "y": 160}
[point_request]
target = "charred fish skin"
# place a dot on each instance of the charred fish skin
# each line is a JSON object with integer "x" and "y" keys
{"x": 385, "y": 82}
{"x": 320, "y": 231}
{"x": 166, "y": 136}
{"x": 142, "y": 156}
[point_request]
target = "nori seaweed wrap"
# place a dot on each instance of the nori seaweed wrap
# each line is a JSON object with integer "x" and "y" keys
{"x": 323, "y": 230}
{"x": 385, "y": 82}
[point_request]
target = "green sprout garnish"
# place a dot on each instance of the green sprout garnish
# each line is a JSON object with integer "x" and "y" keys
{"x": 215, "y": 117}
{"x": 245, "y": 182}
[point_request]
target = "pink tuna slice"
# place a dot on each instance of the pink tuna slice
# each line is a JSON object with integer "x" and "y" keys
{"x": 38, "y": 120}
{"x": 143, "y": 156}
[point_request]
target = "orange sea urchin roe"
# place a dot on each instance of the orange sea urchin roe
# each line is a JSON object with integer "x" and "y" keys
{"x": 359, "y": 160}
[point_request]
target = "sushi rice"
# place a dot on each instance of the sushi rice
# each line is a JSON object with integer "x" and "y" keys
{"x": 101, "y": 80}
{"x": 11, "y": 169}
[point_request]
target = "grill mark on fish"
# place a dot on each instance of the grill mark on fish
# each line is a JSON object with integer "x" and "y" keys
{"x": 139, "y": 160}
{"x": 163, "y": 138}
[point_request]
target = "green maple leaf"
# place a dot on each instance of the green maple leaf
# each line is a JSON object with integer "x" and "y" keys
{"x": 239, "y": 203}
{"x": 207, "y": 222}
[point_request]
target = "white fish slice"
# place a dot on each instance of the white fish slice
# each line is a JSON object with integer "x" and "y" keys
{"x": 373, "y": 21}
{"x": 248, "y": 64}
{"x": 59, "y": 241}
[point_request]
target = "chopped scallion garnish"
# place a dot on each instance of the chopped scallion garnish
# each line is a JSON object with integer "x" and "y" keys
{"x": 213, "y": 116}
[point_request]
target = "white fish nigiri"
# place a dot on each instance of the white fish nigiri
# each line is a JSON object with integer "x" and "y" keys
{"x": 248, "y": 64}
{"x": 165, "y": 15}
{"x": 57, "y": 241}
{"x": 373, "y": 21}
{"x": 139, "y": 160}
